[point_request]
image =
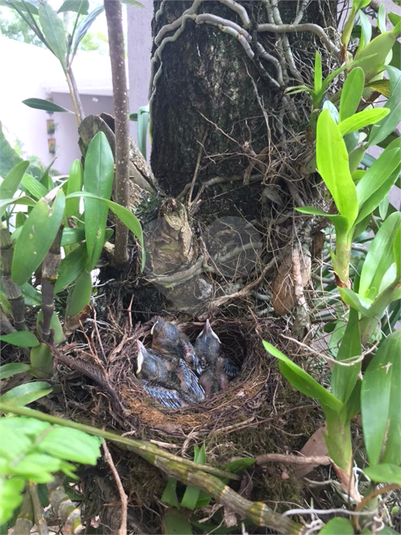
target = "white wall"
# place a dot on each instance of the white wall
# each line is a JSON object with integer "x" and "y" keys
{"x": 32, "y": 72}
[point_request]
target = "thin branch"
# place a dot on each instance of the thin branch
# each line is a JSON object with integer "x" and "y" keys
{"x": 121, "y": 492}
{"x": 121, "y": 111}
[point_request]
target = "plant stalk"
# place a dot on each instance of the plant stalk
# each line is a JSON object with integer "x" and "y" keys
{"x": 75, "y": 98}
{"x": 113, "y": 12}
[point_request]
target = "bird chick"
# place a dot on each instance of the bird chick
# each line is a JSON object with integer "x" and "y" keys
{"x": 168, "y": 340}
{"x": 168, "y": 372}
{"x": 218, "y": 370}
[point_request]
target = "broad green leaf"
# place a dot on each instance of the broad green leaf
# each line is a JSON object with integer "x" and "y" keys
{"x": 381, "y": 18}
{"x": 380, "y": 131}
{"x": 74, "y": 183}
{"x": 362, "y": 119}
{"x": 26, "y": 393}
{"x": 333, "y": 166}
{"x": 302, "y": 381}
{"x": 384, "y": 473}
{"x": 374, "y": 55}
{"x": 84, "y": 26}
{"x": 174, "y": 522}
{"x": 21, "y": 339}
{"x": 10, "y": 497}
{"x": 366, "y": 31}
{"x": 376, "y": 176}
{"x": 36, "y": 238}
{"x": 337, "y": 526}
{"x": 8, "y": 370}
{"x": 381, "y": 417}
{"x": 397, "y": 252}
{"x": 192, "y": 494}
{"x": 317, "y": 79}
{"x": 383, "y": 207}
{"x": 80, "y": 295}
{"x": 41, "y": 361}
{"x": 338, "y": 437}
{"x": 72, "y": 235}
{"x": 46, "y": 105}
{"x": 239, "y": 465}
{"x": 37, "y": 467}
{"x": 54, "y": 31}
{"x": 31, "y": 296}
{"x": 344, "y": 378}
{"x": 169, "y": 496}
{"x": 22, "y": 427}
{"x": 381, "y": 86}
{"x": 123, "y": 214}
{"x": 379, "y": 257}
{"x": 71, "y": 445}
{"x": 13, "y": 179}
{"x": 353, "y": 300}
{"x": 351, "y": 93}
{"x": 34, "y": 187}
{"x": 98, "y": 180}
{"x": 340, "y": 222}
{"x": 355, "y": 158}
{"x": 71, "y": 268}
{"x": 77, "y": 6}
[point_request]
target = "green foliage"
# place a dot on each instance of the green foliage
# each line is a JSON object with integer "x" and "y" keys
{"x": 336, "y": 526}
{"x": 31, "y": 450}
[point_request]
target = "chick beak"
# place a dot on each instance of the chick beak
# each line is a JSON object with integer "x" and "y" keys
{"x": 140, "y": 358}
{"x": 208, "y": 330}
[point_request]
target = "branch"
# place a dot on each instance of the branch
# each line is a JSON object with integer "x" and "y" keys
{"x": 121, "y": 111}
{"x": 306, "y": 27}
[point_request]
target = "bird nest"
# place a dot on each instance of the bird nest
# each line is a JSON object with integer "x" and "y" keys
{"x": 256, "y": 399}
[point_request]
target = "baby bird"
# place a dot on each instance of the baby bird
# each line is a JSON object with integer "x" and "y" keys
{"x": 168, "y": 340}
{"x": 167, "y": 372}
{"x": 218, "y": 370}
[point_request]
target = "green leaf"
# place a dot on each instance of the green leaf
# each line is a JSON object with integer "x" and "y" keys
{"x": 317, "y": 79}
{"x": 71, "y": 445}
{"x": 80, "y": 295}
{"x": 123, "y": 214}
{"x": 337, "y": 526}
{"x": 74, "y": 183}
{"x": 84, "y": 27}
{"x": 26, "y": 393}
{"x": 36, "y": 238}
{"x": 134, "y": 3}
{"x": 54, "y": 31}
{"x": 169, "y": 496}
{"x": 77, "y": 6}
{"x": 333, "y": 166}
{"x": 31, "y": 296}
{"x": 46, "y": 105}
{"x": 302, "y": 381}
{"x": 366, "y": 31}
{"x": 362, "y": 119}
{"x": 71, "y": 268}
{"x": 21, "y": 339}
{"x": 381, "y": 173}
{"x": 13, "y": 179}
{"x": 340, "y": 222}
{"x": 374, "y": 55}
{"x": 192, "y": 494}
{"x": 9, "y": 370}
{"x": 384, "y": 473}
{"x": 239, "y": 465}
{"x": 143, "y": 122}
{"x": 351, "y": 93}
{"x": 10, "y": 497}
{"x": 380, "y": 402}
{"x": 41, "y": 361}
{"x": 174, "y": 522}
{"x": 379, "y": 257}
{"x": 37, "y": 467}
{"x": 98, "y": 180}
{"x": 354, "y": 301}
{"x": 34, "y": 187}
{"x": 397, "y": 252}
{"x": 72, "y": 236}
{"x": 344, "y": 378}
{"x": 380, "y": 131}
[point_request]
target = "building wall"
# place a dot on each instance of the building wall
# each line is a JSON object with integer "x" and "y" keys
{"x": 32, "y": 72}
